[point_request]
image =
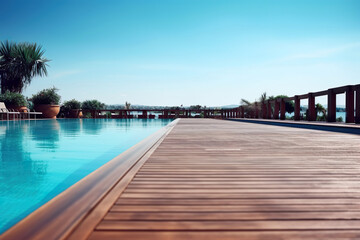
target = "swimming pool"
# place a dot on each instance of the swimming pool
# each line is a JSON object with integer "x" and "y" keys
{"x": 39, "y": 159}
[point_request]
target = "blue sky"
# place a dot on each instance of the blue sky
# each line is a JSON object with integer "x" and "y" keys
{"x": 175, "y": 52}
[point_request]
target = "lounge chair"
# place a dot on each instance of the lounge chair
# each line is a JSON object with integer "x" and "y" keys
{"x": 28, "y": 113}
{"x": 4, "y": 110}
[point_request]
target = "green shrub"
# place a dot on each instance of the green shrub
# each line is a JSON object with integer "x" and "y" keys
{"x": 87, "y": 115}
{"x": 92, "y": 105}
{"x": 339, "y": 119}
{"x": 67, "y": 106}
{"x": 72, "y": 104}
{"x": 107, "y": 114}
{"x": 46, "y": 96}
{"x": 321, "y": 118}
{"x": 13, "y": 100}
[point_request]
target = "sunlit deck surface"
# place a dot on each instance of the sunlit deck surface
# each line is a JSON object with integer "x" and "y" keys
{"x": 213, "y": 179}
{"x": 216, "y": 179}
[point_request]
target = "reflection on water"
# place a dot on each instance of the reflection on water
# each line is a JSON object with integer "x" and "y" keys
{"x": 39, "y": 159}
{"x": 69, "y": 129}
{"x": 45, "y": 133}
{"x": 16, "y": 162}
{"x": 92, "y": 126}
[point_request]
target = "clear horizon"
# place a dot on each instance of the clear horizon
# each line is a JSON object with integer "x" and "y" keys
{"x": 172, "y": 53}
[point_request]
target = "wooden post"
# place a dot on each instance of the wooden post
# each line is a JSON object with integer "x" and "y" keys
{"x": 256, "y": 110}
{"x": 311, "y": 108}
{"x": 144, "y": 114}
{"x": 269, "y": 110}
{"x": 242, "y": 112}
{"x": 276, "y": 109}
{"x": 282, "y": 109}
{"x": 331, "y": 106}
{"x": 349, "y": 104}
{"x": 297, "y": 109}
{"x": 263, "y": 110}
{"x": 357, "y": 107}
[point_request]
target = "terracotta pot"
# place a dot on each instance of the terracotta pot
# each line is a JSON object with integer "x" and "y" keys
{"x": 75, "y": 113}
{"x": 48, "y": 110}
{"x": 22, "y": 109}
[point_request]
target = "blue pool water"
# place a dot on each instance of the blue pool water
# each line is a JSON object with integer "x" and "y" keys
{"x": 39, "y": 159}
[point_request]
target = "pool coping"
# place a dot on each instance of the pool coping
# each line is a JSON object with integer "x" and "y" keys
{"x": 61, "y": 215}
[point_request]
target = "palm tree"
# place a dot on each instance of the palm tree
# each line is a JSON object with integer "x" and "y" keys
{"x": 127, "y": 105}
{"x": 19, "y": 64}
{"x": 320, "y": 109}
{"x": 248, "y": 106}
{"x": 263, "y": 98}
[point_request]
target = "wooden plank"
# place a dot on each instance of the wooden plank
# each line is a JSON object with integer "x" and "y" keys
{"x": 239, "y": 186}
{"x": 243, "y": 196}
{"x": 222, "y": 201}
{"x": 235, "y": 208}
{"x": 226, "y": 235}
{"x": 230, "y": 225}
{"x": 192, "y": 216}
{"x": 242, "y": 191}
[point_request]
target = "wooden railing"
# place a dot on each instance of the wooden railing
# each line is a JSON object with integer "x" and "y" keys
{"x": 271, "y": 108}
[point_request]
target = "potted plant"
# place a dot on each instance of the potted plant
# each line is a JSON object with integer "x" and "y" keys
{"x": 72, "y": 109}
{"x": 91, "y": 107}
{"x": 14, "y": 101}
{"x": 47, "y": 101}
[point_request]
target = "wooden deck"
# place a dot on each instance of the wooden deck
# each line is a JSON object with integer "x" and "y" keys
{"x": 215, "y": 179}
{"x": 212, "y": 179}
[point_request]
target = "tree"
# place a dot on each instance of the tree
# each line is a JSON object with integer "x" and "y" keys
{"x": 19, "y": 64}
{"x": 289, "y": 105}
{"x": 263, "y": 98}
{"x": 195, "y": 107}
{"x": 249, "y": 107}
{"x": 320, "y": 109}
{"x": 93, "y": 105}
